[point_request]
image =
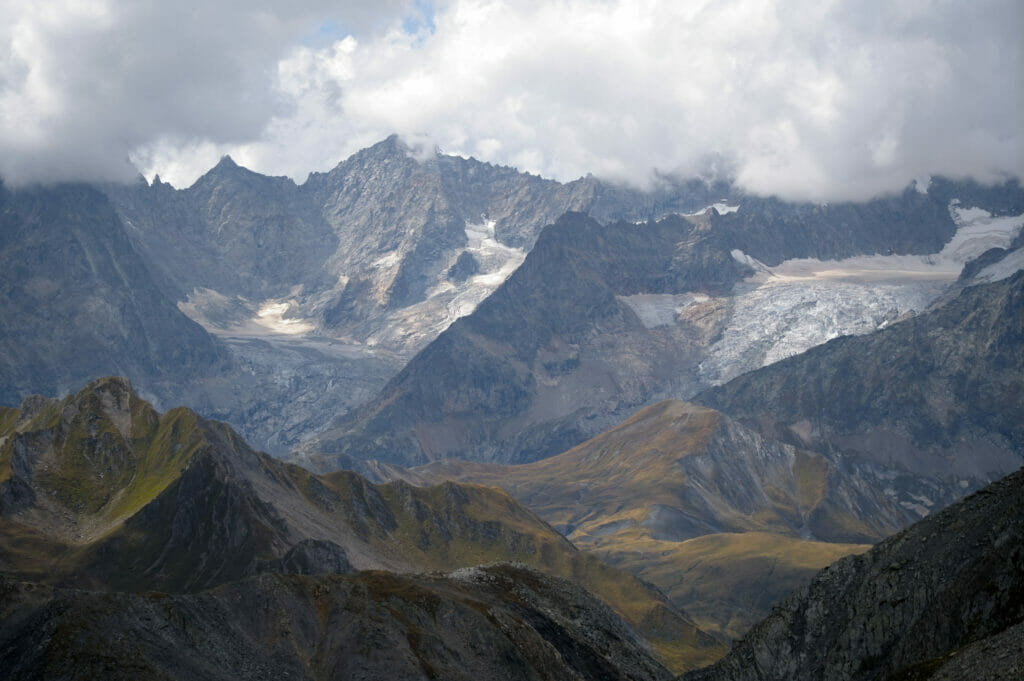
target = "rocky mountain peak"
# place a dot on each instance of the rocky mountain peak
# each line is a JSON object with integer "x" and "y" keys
{"x": 114, "y": 397}
{"x": 229, "y": 171}
{"x": 226, "y": 163}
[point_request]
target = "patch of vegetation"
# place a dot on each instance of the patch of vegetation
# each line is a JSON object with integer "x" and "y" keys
{"x": 725, "y": 581}
{"x": 8, "y": 417}
{"x": 163, "y": 446}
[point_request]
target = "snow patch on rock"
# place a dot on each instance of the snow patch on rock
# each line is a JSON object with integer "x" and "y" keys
{"x": 271, "y": 316}
{"x": 721, "y": 207}
{"x": 447, "y": 301}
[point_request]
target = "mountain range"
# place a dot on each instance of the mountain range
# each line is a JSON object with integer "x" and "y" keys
{"x": 100, "y": 492}
{"x": 678, "y": 487}
{"x": 936, "y": 601}
{"x": 517, "y": 428}
{"x": 602, "y": 319}
{"x": 319, "y": 293}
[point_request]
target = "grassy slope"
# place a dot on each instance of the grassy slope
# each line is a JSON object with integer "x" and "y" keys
{"x": 604, "y": 493}
{"x": 452, "y": 525}
{"x": 726, "y": 582}
{"x": 124, "y": 482}
{"x": 620, "y": 477}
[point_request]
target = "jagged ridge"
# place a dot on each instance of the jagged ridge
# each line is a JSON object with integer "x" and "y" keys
{"x": 100, "y": 491}
{"x": 481, "y": 623}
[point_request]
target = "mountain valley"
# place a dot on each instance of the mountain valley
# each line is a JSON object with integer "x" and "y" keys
{"x": 695, "y": 504}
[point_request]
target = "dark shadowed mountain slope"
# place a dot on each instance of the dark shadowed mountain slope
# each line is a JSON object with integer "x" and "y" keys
{"x": 952, "y": 583}
{"x": 100, "y": 491}
{"x": 498, "y": 622}
{"x": 78, "y": 301}
{"x": 934, "y": 403}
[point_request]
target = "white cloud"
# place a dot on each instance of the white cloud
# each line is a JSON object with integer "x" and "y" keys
{"x": 809, "y": 99}
{"x": 84, "y": 84}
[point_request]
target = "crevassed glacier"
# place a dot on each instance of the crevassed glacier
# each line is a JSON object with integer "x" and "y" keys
{"x": 787, "y": 309}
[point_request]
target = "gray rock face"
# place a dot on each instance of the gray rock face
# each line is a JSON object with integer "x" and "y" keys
{"x": 548, "y": 359}
{"x": 952, "y": 580}
{"x": 310, "y": 557}
{"x": 499, "y": 622}
{"x": 78, "y": 301}
{"x": 364, "y": 246}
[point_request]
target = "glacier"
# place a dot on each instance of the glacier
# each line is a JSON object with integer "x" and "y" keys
{"x": 798, "y": 304}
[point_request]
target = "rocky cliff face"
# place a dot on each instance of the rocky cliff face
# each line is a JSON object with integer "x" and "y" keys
{"x": 100, "y": 491}
{"x": 951, "y": 582}
{"x": 77, "y": 300}
{"x": 477, "y": 623}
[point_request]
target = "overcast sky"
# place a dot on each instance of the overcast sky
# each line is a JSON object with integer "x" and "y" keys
{"x": 808, "y": 99}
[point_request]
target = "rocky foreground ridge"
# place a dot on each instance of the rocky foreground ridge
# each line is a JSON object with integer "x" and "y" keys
{"x": 498, "y": 622}
{"x": 947, "y": 591}
{"x": 100, "y": 492}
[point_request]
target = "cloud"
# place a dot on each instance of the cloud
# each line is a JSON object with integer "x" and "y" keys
{"x": 85, "y": 84}
{"x": 820, "y": 100}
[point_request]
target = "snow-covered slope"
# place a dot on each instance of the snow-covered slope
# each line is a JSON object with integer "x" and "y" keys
{"x": 784, "y": 310}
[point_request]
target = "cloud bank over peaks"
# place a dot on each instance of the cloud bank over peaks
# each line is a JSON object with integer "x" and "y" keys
{"x": 86, "y": 84}
{"x": 822, "y": 100}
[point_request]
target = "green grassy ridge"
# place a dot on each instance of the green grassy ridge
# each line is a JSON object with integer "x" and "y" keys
{"x": 93, "y": 462}
{"x": 450, "y": 525}
{"x": 96, "y": 471}
{"x": 8, "y": 417}
{"x": 182, "y": 514}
